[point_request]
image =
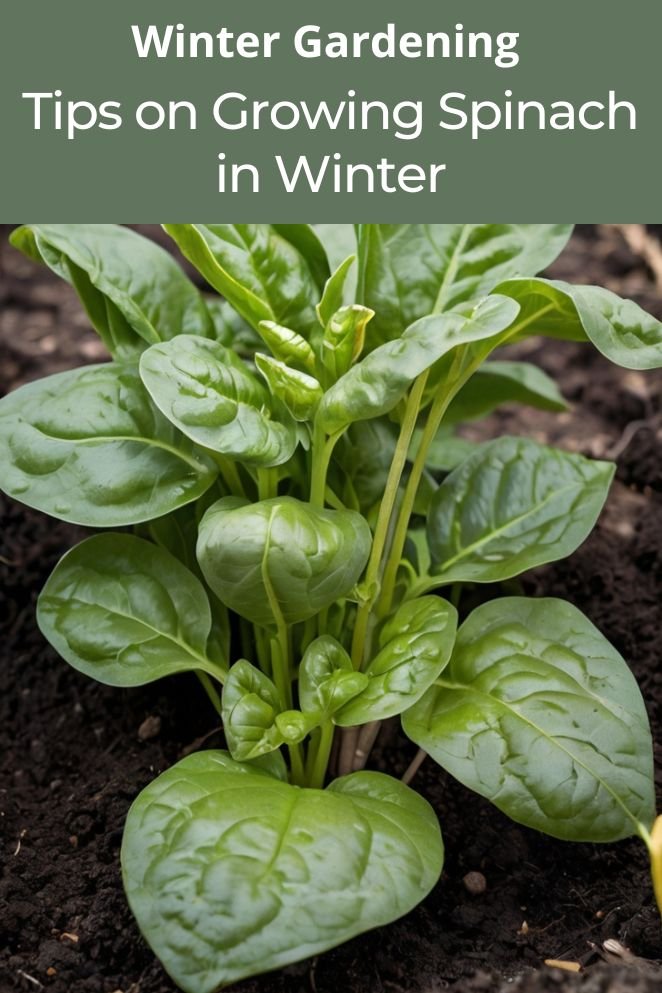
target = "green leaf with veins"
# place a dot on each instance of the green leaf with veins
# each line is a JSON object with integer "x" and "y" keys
{"x": 231, "y": 872}
{"x": 513, "y": 505}
{"x": 409, "y": 270}
{"x": 414, "y": 648}
{"x": 134, "y": 292}
{"x": 125, "y": 612}
{"x": 299, "y": 392}
{"x": 497, "y": 383}
{"x": 327, "y": 678}
{"x": 281, "y": 556}
{"x": 287, "y": 346}
{"x": 209, "y": 394}
{"x": 618, "y": 328}
{"x": 306, "y": 240}
{"x": 250, "y": 706}
{"x": 538, "y": 713}
{"x": 88, "y": 446}
{"x": 258, "y": 271}
{"x": 376, "y": 384}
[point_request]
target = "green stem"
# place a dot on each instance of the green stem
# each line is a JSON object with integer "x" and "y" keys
{"x": 210, "y": 690}
{"x": 321, "y": 761}
{"x": 267, "y": 483}
{"x": 384, "y": 517}
{"x": 435, "y": 417}
{"x": 229, "y": 474}
{"x": 322, "y": 450}
{"x": 457, "y": 377}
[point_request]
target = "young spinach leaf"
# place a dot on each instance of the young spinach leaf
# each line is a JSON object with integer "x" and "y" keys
{"x": 281, "y": 559}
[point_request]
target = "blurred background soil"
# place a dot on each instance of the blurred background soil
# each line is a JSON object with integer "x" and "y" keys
{"x": 74, "y": 754}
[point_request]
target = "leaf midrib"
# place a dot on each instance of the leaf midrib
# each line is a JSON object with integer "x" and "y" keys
{"x": 512, "y": 522}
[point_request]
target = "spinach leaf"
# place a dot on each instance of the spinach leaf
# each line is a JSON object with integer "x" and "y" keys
{"x": 125, "y": 612}
{"x": 618, "y": 328}
{"x": 230, "y": 871}
{"x": 134, "y": 292}
{"x": 375, "y": 385}
{"x": 538, "y": 713}
{"x": 281, "y": 558}
{"x": 211, "y": 396}
{"x": 89, "y": 447}
{"x": 499, "y": 382}
{"x": 409, "y": 270}
{"x": 513, "y": 505}
{"x": 327, "y": 678}
{"x": 414, "y": 648}
{"x": 261, "y": 273}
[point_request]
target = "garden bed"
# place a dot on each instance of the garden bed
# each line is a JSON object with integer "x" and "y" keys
{"x": 73, "y": 753}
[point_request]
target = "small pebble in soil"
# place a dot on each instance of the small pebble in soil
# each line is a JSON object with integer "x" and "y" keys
{"x": 149, "y": 728}
{"x": 475, "y": 883}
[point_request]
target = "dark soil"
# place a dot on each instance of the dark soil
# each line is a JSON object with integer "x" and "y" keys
{"x": 73, "y": 754}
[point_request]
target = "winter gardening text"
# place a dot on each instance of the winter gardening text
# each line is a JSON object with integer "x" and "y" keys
{"x": 347, "y": 110}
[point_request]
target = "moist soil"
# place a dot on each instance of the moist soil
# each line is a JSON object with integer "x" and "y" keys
{"x": 74, "y": 754}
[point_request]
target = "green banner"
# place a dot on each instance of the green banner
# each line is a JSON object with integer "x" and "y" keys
{"x": 347, "y": 111}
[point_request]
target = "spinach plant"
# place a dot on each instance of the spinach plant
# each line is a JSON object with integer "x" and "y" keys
{"x": 297, "y": 522}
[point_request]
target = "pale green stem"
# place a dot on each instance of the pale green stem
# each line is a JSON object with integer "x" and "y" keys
{"x": 384, "y": 517}
{"x": 322, "y": 450}
{"x": 322, "y": 753}
{"x": 435, "y": 417}
{"x": 229, "y": 474}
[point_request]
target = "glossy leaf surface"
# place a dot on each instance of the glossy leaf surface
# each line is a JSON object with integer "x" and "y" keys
{"x": 410, "y": 270}
{"x": 376, "y": 384}
{"x": 298, "y": 391}
{"x": 618, "y": 328}
{"x": 125, "y": 612}
{"x": 132, "y": 289}
{"x": 513, "y": 505}
{"x": 287, "y": 346}
{"x": 250, "y": 707}
{"x": 281, "y": 556}
{"x": 88, "y": 446}
{"x": 538, "y": 713}
{"x": 210, "y": 395}
{"x": 231, "y": 872}
{"x": 261, "y": 273}
{"x": 414, "y": 648}
{"x": 327, "y": 679}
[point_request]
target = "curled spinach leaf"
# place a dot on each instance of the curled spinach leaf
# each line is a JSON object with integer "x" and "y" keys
{"x": 281, "y": 559}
